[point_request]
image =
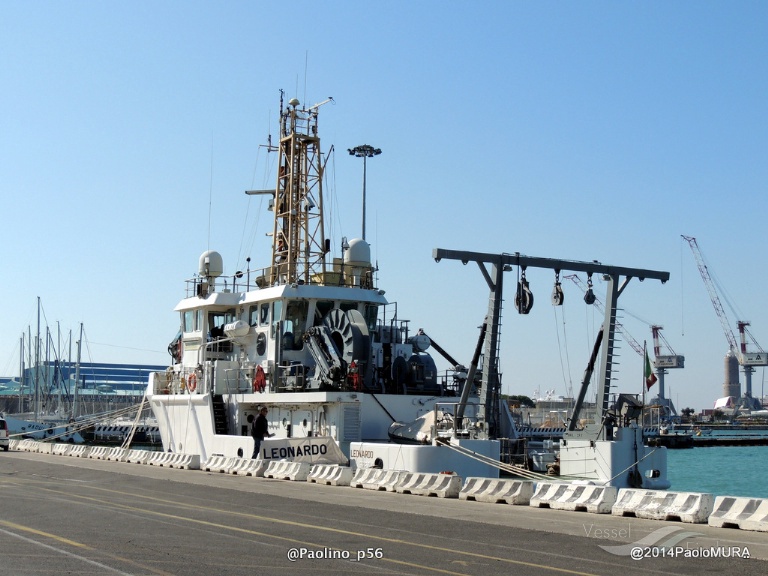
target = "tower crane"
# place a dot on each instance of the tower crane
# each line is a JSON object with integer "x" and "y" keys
{"x": 672, "y": 360}
{"x": 746, "y": 359}
{"x": 662, "y": 361}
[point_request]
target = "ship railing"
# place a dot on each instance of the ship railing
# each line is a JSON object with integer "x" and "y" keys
{"x": 236, "y": 381}
{"x": 257, "y": 278}
{"x": 514, "y": 451}
{"x": 392, "y": 330}
{"x": 291, "y": 377}
{"x": 161, "y": 382}
{"x": 172, "y": 382}
{"x": 451, "y": 381}
{"x": 251, "y": 279}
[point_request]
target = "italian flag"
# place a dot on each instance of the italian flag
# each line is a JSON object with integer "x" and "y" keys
{"x": 650, "y": 377}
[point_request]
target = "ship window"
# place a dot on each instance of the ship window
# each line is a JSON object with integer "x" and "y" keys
{"x": 277, "y": 313}
{"x": 217, "y": 321}
{"x": 258, "y": 314}
{"x": 296, "y": 321}
{"x": 371, "y": 313}
{"x": 322, "y": 307}
{"x": 188, "y": 319}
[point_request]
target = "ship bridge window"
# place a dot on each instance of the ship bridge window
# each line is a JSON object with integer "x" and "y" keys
{"x": 371, "y": 314}
{"x": 296, "y": 321}
{"x": 258, "y": 314}
{"x": 192, "y": 320}
{"x": 277, "y": 313}
{"x": 217, "y": 321}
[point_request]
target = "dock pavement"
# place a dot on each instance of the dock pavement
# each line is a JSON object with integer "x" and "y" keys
{"x": 62, "y": 515}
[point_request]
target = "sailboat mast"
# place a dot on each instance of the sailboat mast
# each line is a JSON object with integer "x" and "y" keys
{"x": 22, "y": 378}
{"x": 37, "y": 363}
{"x": 77, "y": 373}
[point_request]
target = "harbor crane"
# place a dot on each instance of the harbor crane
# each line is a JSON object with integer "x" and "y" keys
{"x": 662, "y": 362}
{"x": 748, "y": 360}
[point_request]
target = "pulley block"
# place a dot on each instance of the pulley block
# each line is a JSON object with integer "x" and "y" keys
{"x": 523, "y": 297}
{"x": 558, "y": 296}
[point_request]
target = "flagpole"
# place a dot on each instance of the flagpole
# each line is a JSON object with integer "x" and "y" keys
{"x": 645, "y": 359}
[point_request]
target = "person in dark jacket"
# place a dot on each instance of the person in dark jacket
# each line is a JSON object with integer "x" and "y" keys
{"x": 260, "y": 430}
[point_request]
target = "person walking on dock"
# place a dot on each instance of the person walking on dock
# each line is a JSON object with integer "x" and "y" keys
{"x": 260, "y": 430}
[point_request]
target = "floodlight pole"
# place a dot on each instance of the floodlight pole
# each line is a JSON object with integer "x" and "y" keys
{"x": 365, "y": 151}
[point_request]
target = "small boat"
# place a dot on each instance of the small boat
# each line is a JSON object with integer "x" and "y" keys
{"x": 423, "y": 430}
{"x": 54, "y": 430}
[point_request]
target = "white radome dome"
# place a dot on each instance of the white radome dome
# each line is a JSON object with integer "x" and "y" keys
{"x": 358, "y": 254}
{"x": 211, "y": 264}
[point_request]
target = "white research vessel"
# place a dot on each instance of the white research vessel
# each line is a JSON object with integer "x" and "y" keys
{"x": 317, "y": 343}
{"x": 314, "y": 341}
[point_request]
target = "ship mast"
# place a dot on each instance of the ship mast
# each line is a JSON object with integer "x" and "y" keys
{"x": 299, "y": 246}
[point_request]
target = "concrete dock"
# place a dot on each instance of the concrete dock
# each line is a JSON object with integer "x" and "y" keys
{"x": 71, "y": 515}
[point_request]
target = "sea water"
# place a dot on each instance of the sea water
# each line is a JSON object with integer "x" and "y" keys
{"x": 720, "y": 470}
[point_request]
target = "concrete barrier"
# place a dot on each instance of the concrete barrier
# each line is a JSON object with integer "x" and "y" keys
{"x": 496, "y": 491}
{"x": 440, "y": 485}
{"x": 28, "y": 445}
{"x": 248, "y": 467}
{"x": 44, "y": 448}
{"x": 13, "y": 444}
{"x": 376, "y": 479}
{"x": 116, "y": 454}
{"x": 172, "y": 460}
{"x": 157, "y": 458}
{"x": 743, "y": 513}
{"x": 80, "y": 451}
{"x": 61, "y": 449}
{"x": 98, "y": 452}
{"x": 575, "y": 497}
{"x": 137, "y": 456}
{"x": 186, "y": 461}
{"x": 285, "y": 470}
{"x": 689, "y": 507}
{"x": 330, "y": 474}
{"x": 218, "y": 464}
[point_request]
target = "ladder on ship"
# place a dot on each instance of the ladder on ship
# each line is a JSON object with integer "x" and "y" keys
{"x": 219, "y": 414}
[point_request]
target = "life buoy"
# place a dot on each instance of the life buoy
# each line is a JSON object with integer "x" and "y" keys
{"x": 259, "y": 380}
{"x": 192, "y": 382}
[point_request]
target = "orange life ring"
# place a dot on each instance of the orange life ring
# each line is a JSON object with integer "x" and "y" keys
{"x": 192, "y": 382}
{"x": 259, "y": 380}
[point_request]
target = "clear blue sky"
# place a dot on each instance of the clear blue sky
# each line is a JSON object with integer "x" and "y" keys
{"x": 584, "y": 131}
